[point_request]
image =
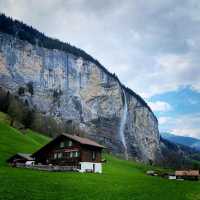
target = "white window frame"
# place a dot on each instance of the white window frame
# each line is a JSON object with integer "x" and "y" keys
{"x": 94, "y": 155}
{"x": 59, "y": 155}
{"x": 70, "y": 143}
{"x": 77, "y": 154}
{"x": 62, "y": 145}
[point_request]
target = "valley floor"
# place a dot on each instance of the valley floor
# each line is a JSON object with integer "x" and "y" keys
{"x": 120, "y": 179}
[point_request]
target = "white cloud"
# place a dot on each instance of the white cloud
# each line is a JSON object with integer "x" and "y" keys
{"x": 169, "y": 74}
{"x": 185, "y": 125}
{"x": 163, "y": 120}
{"x": 192, "y": 132}
{"x": 160, "y": 106}
{"x": 144, "y": 42}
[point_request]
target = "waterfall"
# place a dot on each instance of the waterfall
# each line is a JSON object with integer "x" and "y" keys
{"x": 123, "y": 123}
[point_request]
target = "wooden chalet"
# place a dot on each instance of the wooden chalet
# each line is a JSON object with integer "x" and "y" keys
{"x": 71, "y": 150}
{"x": 187, "y": 174}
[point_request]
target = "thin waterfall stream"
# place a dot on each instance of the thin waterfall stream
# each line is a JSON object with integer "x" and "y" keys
{"x": 123, "y": 123}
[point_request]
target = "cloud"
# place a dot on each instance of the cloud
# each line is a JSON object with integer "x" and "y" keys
{"x": 163, "y": 120}
{"x": 171, "y": 73}
{"x": 146, "y": 43}
{"x": 160, "y": 106}
{"x": 185, "y": 125}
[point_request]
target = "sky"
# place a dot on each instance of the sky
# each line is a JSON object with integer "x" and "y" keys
{"x": 153, "y": 46}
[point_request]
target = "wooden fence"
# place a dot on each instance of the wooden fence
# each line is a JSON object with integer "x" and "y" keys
{"x": 48, "y": 167}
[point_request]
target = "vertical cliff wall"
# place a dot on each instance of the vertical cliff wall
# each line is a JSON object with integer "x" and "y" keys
{"x": 68, "y": 87}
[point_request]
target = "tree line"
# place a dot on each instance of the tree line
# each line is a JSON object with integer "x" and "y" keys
{"x": 28, "y": 33}
{"x": 179, "y": 156}
{"x": 24, "y": 116}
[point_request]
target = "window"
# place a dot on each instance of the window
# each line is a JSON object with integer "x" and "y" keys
{"x": 67, "y": 154}
{"x": 93, "y": 155}
{"x": 62, "y": 144}
{"x": 76, "y": 154}
{"x": 59, "y": 155}
{"x": 73, "y": 154}
{"x": 70, "y": 143}
{"x": 55, "y": 155}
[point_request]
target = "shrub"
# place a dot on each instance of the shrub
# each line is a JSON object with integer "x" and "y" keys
{"x": 30, "y": 88}
{"x": 15, "y": 110}
{"x": 4, "y": 100}
{"x": 21, "y": 91}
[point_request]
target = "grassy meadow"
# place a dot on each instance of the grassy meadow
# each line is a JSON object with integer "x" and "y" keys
{"x": 120, "y": 179}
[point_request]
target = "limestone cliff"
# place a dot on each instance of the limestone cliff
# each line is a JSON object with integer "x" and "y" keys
{"x": 68, "y": 87}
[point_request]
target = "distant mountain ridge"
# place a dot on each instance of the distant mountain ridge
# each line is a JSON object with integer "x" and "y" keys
{"x": 184, "y": 140}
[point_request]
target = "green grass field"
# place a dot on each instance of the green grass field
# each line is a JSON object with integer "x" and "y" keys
{"x": 120, "y": 179}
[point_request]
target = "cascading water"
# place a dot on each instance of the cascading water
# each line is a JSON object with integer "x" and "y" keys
{"x": 122, "y": 125}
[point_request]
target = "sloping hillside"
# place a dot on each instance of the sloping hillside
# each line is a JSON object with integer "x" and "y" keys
{"x": 13, "y": 141}
{"x": 120, "y": 180}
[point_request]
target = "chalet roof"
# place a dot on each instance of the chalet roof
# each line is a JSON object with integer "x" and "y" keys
{"x": 25, "y": 155}
{"x": 22, "y": 155}
{"x": 81, "y": 140}
{"x": 187, "y": 173}
{"x": 84, "y": 141}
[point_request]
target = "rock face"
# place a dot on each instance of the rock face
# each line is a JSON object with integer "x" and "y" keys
{"x": 67, "y": 87}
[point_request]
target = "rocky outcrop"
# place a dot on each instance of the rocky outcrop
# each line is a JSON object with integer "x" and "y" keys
{"x": 68, "y": 87}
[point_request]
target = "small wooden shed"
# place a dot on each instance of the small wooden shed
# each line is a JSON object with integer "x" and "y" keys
{"x": 20, "y": 158}
{"x": 188, "y": 174}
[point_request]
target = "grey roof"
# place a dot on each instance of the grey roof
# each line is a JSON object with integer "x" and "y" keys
{"x": 82, "y": 140}
{"x": 25, "y": 155}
